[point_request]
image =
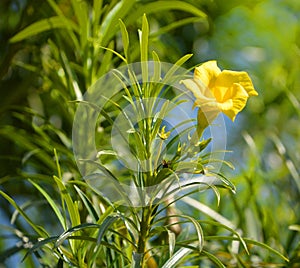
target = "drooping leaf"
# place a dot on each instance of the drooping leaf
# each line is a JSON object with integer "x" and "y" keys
{"x": 177, "y": 257}
{"x": 42, "y": 26}
{"x": 214, "y": 259}
{"x": 105, "y": 225}
{"x": 38, "y": 229}
{"x": 73, "y": 230}
{"x": 161, "y": 6}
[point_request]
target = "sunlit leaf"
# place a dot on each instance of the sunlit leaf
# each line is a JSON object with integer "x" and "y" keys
{"x": 144, "y": 35}
{"x": 125, "y": 38}
{"x": 88, "y": 204}
{"x": 177, "y": 257}
{"x": 51, "y": 203}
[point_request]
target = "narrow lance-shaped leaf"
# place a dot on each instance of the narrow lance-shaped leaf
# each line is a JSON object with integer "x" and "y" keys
{"x": 106, "y": 62}
{"x": 42, "y": 26}
{"x": 125, "y": 39}
{"x": 198, "y": 228}
{"x": 175, "y": 67}
{"x": 144, "y": 35}
{"x": 72, "y": 207}
{"x": 108, "y": 26}
{"x": 157, "y": 71}
{"x": 172, "y": 242}
{"x": 97, "y": 10}
{"x": 176, "y": 24}
{"x": 114, "y": 52}
{"x": 161, "y": 6}
{"x": 39, "y": 245}
{"x": 88, "y": 204}
{"x": 177, "y": 257}
{"x": 105, "y": 225}
{"x": 73, "y": 230}
{"x": 38, "y": 229}
{"x": 214, "y": 259}
{"x": 67, "y": 23}
{"x": 52, "y": 204}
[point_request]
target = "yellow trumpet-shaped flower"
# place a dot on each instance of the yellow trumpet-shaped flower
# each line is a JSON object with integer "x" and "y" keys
{"x": 219, "y": 91}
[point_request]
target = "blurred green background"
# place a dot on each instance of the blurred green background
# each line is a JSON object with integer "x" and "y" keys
{"x": 260, "y": 37}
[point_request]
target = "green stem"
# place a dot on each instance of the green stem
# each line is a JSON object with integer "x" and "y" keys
{"x": 158, "y": 153}
{"x": 144, "y": 233}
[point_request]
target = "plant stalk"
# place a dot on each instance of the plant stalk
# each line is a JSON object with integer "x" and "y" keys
{"x": 144, "y": 234}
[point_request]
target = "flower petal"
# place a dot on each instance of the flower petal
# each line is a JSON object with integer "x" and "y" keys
{"x": 207, "y": 73}
{"x": 200, "y": 91}
{"x": 231, "y": 107}
{"x": 227, "y": 78}
{"x": 221, "y": 93}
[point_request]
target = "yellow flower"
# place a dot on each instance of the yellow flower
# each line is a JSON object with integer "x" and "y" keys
{"x": 219, "y": 91}
{"x": 163, "y": 134}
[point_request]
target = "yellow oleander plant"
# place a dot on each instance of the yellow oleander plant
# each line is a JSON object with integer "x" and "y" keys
{"x": 122, "y": 183}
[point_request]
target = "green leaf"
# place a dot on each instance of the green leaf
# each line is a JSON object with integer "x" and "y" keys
{"x": 106, "y": 152}
{"x": 159, "y": 118}
{"x": 67, "y": 23}
{"x": 220, "y": 220}
{"x": 175, "y": 67}
{"x": 171, "y": 241}
{"x": 108, "y": 221}
{"x": 71, "y": 75}
{"x": 176, "y": 24}
{"x": 88, "y": 204}
{"x": 72, "y": 207}
{"x": 40, "y": 244}
{"x": 214, "y": 259}
{"x": 42, "y": 26}
{"x": 295, "y": 227}
{"x": 249, "y": 241}
{"x": 73, "y": 230}
{"x": 262, "y": 245}
{"x": 97, "y": 10}
{"x": 189, "y": 167}
{"x": 198, "y": 228}
{"x": 144, "y": 36}
{"x": 125, "y": 82}
{"x": 38, "y": 229}
{"x": 52, "y": 204}
{"x": 81, "y": 12}
{"x": 9, "y": 252}
{"x": 208, "y": 211}
{"x": 177, "y": 257}
{"x": 157, "y": 69}
{"x": 162, "y": 175}
{"x": 114, "y": 52}
{"x": 115, "y": 181}
{"x": 30, "y": 143}
{"x": 227, "y": 182}
{"x": 161, "y": 6}
{"x": 105, "y": 63}
{"x": 134, "y": 82}
{"x": 108, "y": 27}
{"x": 125, "y": 38}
